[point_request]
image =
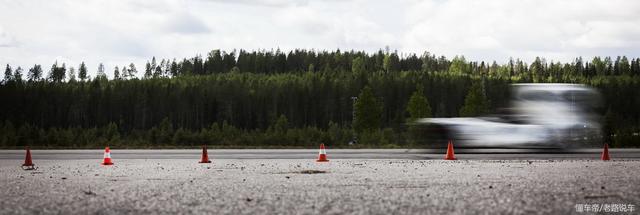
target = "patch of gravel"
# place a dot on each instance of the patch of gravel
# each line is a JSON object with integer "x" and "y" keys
{"x": 142, "y": 186}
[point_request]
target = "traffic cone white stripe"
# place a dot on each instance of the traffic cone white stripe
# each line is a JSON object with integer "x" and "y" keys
{"x": 322, "y": 155}
{"x": 107, "y": 157}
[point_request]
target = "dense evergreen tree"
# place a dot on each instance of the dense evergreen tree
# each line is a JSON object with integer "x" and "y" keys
{"x": 152, "y": 67}
{"x": 132, "y": 71}
{"x": 124, "y": 72}
{"x": 147, "y": 71}
{"x": 57, "y": 73}
{"x": 100, "y": 73}
{"x": 35, "y": 73}
{"x": 358, "y": 66}
{"x": 82, "y": 72}
{"x": 174, "y": 69}
{"x": 368, "y": 111}
{"x": 8, "y": 74}
{"x": 72, "y": 74}
{"x": 475, "y": 103}
{"x": 418, "y": 106}
{"x": 17, "y": 74}
{"x": 116, "y": 73}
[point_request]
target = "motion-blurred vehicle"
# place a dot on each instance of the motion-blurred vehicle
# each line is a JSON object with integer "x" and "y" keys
{"x": 539, "y": 116}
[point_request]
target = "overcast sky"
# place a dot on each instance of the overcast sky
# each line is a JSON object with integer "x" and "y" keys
{"x": 124, "y": 31}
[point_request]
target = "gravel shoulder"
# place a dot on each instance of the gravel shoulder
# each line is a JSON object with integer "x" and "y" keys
{"x": 295, "y": 186}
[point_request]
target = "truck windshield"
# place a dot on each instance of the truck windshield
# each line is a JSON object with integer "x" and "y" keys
{"x": 540, "y": 95}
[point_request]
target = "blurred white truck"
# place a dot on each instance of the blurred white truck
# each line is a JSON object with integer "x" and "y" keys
{"x": 539, "y": 116}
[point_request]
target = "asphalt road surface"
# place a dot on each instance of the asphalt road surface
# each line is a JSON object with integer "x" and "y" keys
{"x": 291, "y": 182}
{"x": 413, "y": 154}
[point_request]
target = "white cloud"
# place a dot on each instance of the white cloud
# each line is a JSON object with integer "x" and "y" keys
{"x": 186, "y": 23}
{"x": 268, "y": 3}
{"x": 498, "y": 29}
{"x": 7, "y": 40}
{"x": 121, "y": 32}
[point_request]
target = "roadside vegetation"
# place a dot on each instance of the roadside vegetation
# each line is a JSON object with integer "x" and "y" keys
{"x": 272, "y": 99}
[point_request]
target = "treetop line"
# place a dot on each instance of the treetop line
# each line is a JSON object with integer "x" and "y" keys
{"x": 271, "y": 62}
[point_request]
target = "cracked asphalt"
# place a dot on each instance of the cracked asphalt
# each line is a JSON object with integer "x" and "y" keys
{"x": 301, "y": 186}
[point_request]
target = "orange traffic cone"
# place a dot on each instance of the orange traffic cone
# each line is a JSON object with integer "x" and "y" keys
{"x": 605, "y": 153}
{"x": 450, "y": 155}
{"x": 28, "y": 164}
{"x": 205, "y": 156}
{"x": 107, "y": 157}
{"x": 322, "y": 157}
